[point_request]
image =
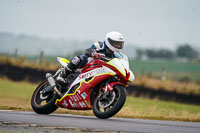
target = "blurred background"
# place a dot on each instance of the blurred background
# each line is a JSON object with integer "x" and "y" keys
{"x": 161, "y": 40}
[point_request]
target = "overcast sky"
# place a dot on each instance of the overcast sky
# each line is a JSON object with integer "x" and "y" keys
{"x": 147, "y": 23}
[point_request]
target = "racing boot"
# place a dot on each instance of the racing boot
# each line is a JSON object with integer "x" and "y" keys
{"x": 73, "y": 65}
{"x": 64, "y": 72}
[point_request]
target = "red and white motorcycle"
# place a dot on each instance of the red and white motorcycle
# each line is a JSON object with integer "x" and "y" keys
{"x": 100, "y": 85}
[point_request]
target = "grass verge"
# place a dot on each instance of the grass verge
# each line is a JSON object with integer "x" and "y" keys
{"x": 17, "y": 96}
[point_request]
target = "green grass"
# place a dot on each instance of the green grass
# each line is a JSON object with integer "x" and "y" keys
{"x": 146, "y": 108}
{"x": 180, "y": 71}
{"x": 17, "y": 96}
{"x": 16, "y": 90}
{"x": 156, "y": 66}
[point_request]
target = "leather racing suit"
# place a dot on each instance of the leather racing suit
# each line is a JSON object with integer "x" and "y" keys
{"x": 82, "y": 59}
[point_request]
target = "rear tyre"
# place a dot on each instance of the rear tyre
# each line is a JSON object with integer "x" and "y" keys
{"x": 43, "y": 103}
{"x": 107, "y": 106}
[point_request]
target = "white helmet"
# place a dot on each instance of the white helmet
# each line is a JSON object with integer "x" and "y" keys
{"x": 114, "y": 41}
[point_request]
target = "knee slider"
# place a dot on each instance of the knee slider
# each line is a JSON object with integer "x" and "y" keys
{"x": 75, "y": 61}
{"x": 83, "y": 60}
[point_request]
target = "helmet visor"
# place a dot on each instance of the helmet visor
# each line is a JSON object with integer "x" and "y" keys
{"x": 116, "y": 44}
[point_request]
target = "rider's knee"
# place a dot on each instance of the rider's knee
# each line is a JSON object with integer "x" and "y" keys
{"x": 78, "y": 61}
{"x": 83, "y": 60}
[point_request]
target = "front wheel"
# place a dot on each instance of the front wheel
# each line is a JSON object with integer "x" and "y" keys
{"x": 108, "y": 104}
{"x": 43, "y": 99}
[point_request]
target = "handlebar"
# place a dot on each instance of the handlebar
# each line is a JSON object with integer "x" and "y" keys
{"x": 105, "y": 59}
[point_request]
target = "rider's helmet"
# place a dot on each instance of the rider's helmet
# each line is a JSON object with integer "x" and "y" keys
{"x": 114, "y": 41}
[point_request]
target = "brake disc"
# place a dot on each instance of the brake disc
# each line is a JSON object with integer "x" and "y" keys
{"x": 108, "y": 101}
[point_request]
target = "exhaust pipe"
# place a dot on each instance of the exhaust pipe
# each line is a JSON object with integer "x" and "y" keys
{"x": 53, "y": 84}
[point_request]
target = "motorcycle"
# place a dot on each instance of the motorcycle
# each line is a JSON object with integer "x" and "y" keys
{"x": 100, "y": 85}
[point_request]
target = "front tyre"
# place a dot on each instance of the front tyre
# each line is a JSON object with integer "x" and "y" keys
{"x": 43, "y": 102}
{"x": 107, "y": 105}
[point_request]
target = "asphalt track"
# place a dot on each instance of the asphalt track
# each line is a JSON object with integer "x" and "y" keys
{"x": 94, "y": 124}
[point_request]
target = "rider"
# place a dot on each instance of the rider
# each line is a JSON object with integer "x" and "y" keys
{"x": 110, "y": 48}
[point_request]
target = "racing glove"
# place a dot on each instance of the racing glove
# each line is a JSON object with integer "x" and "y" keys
{"x": 96, "y": 55}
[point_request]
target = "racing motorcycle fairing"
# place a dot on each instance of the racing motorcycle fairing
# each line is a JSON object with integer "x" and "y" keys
{"x": 95, "y": 63}
{"x": 131, "y": 77}
{"x": 95, "y": 71}
{"x": 117, "y": 65}
{"x": 80, "y": 98}
{"x": 121, "y": 67}
{"x": 78, "y": 95}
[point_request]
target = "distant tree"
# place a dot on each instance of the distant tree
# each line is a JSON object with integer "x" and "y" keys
{"x": 139, "y": 53}
{"x": 162, "y": 53}
{"x": 186, "y": 51}
{"x": 151, "y": 53}
{"x": 165, "y": 53}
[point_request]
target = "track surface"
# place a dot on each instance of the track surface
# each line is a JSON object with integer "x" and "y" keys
{"x": 90, "y": 122}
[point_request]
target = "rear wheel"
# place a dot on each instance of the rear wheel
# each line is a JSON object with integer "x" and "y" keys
{"x": 43, "y": 99}
{"x": 108, "y": 104}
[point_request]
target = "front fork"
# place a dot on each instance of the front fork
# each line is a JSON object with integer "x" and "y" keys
{"x": 109, "y": 86}
{"x": 105, "y": 90}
